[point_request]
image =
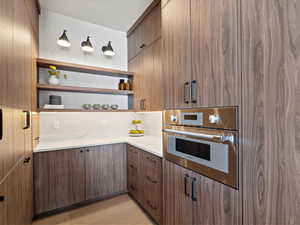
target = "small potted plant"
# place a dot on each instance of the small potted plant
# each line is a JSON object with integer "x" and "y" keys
{"x": 54, "y": 75}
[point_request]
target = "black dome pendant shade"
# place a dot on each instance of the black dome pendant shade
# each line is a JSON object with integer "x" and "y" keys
{"x": 108, "y": 50}
{"x": 63, "y": 40}
{"x": 87, "y": 45}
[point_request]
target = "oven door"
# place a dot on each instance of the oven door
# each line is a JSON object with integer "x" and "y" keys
{"x": 212, "y": 153}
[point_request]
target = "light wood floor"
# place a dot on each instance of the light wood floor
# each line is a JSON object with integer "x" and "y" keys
{"x": 120, "y": 210}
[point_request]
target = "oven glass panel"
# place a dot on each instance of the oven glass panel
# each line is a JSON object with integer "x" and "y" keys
{"x": 190, "y": 117}
{"x": 196, "y": 149}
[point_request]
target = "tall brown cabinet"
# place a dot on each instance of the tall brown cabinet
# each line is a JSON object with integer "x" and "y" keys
{"x": 144, "y": 59}
{"x": 242, "y": 53}
{"x": 18, "y": 50}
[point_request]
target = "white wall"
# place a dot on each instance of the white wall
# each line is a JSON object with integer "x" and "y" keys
{"x": 73, "y": 125}
{"x": 51, "y": 27}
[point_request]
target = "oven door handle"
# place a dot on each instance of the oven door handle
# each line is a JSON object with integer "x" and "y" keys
{"x": 222, "y": 138}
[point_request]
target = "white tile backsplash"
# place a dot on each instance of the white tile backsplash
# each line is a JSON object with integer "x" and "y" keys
{"x": 76, "y": 125}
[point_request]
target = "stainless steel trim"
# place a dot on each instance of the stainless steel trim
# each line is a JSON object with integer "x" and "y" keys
{"x": 222, "y": 138}
{"x": 194, "y": 91}
{"x": 187, "y": 94}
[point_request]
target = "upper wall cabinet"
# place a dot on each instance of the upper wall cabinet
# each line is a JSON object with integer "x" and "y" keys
{"x": 176, "y": 53}
{"x": 200, "y": 47}
{"x": 148, "y": 31}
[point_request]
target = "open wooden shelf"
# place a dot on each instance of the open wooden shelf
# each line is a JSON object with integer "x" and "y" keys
{"x": 83, "y": 89}
{"x": 83, "y": 110}
{"x": 45, "y": 63}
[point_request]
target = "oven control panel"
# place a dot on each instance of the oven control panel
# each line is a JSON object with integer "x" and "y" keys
{"x": 221, "y": 117}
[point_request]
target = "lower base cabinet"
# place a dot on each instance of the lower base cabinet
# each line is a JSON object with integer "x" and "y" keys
{"x": 16, "y": 195}
{"x": 145, "y": 181}
{"x": 190, "y": 198}
{"x": 67, "y": 177}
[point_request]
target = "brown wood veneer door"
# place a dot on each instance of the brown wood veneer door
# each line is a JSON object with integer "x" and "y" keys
{"x": 106, "y": 170}
{"x": 216, "y": 203}
{"x": 176, "y": 49}
{"x": 215, "y": 46}
{"x": 155, "y": 86}
{"x": 134, "y": 173}
{"x": 271, "y": 112}
{"x": 59, "y": 179}
{"x": 151, "y": 180}
{"x": 136, "y": 66}
{"x": 178, "y": 207}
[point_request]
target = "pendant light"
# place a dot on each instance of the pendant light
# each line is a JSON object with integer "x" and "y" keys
{"x": 108, "y": 50}
{"x": 63, "y": 40}
{"x": 87, "y": 45}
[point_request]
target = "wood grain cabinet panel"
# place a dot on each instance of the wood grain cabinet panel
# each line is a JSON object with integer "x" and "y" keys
{"x": 215, "y": 203}
{"x": 145, "y": 181}
{"x": 152, "y": 185}
{"x": 271, "y": 109}
{"x": 145, "y": 33}
{"x": 17, "y": 192}
{"x": 176, "y": 53}
{"x": 215, "y": 46}
{"x": 148, "y": 80}
{"x": 59, "y": 179}
{"x": 177, "y": 200}
{"x": 199, "y": 200}
{"x": 105, "y": 170}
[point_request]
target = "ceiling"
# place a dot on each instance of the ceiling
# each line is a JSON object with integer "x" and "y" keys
{"x": 115, "y": 14}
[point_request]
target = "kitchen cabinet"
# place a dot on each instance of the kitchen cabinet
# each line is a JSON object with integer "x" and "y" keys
{"x": 148, "y": 80}
{"x": 145, "y": 181}
{"x": 215, "y": 50}
{"x": 59, "y": 178}
{"x": 16, "y": 193}
{"x": 152, "y": 185}
{"x": 200, "y": 53}
{"x": 199, "y": 200}
{"x": 16, "y": 60}
{"x": 176, "y": 53}
{"x": 66, "y": 177}
{"x": 105, "y": 170}
{"x": 145, "y": 33}
{"x": 271, "y": 112}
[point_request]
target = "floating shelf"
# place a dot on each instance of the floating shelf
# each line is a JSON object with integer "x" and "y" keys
{"x": 83, "y": 110}
{"x": 82, "y": 89}
{"x": 45, "y": 63}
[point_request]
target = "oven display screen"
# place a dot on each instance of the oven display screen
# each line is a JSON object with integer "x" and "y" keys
{"x": 190, "y": 117}
{"x": 196, "y": 149}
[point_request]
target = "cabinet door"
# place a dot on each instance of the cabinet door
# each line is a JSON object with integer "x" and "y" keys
{"x": 215, "y": 50}
{"x": 27, "y": 189}
{"x": 152, "y": 185}
{"x": 156, "y": 96}
{"x": 105, "y": 170}
{"x": 135, "y": 65}
{"x": 151, "y": 26}
{"x": 133, "y": 173}
{"x": 59, "y": 179}
{"x": 176, "y": 49}
{"x": 214, "y": 203}
{"x": 177, "y": 195}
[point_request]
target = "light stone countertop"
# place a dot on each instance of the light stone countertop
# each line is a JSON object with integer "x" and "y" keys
{"x": 150, "y": 144}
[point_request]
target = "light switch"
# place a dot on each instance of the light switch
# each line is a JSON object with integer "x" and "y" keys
{"x": 56, "y": 124}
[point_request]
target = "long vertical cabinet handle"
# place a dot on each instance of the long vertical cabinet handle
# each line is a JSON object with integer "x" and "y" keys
{"x": 186, "y": 185}
{"x": 194, "y": 91}
{"x": 27, "y": 125}
{"x": 194, "y": 189}
{"x": 1, "y": 124}
{"x": 187, "y": 92}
